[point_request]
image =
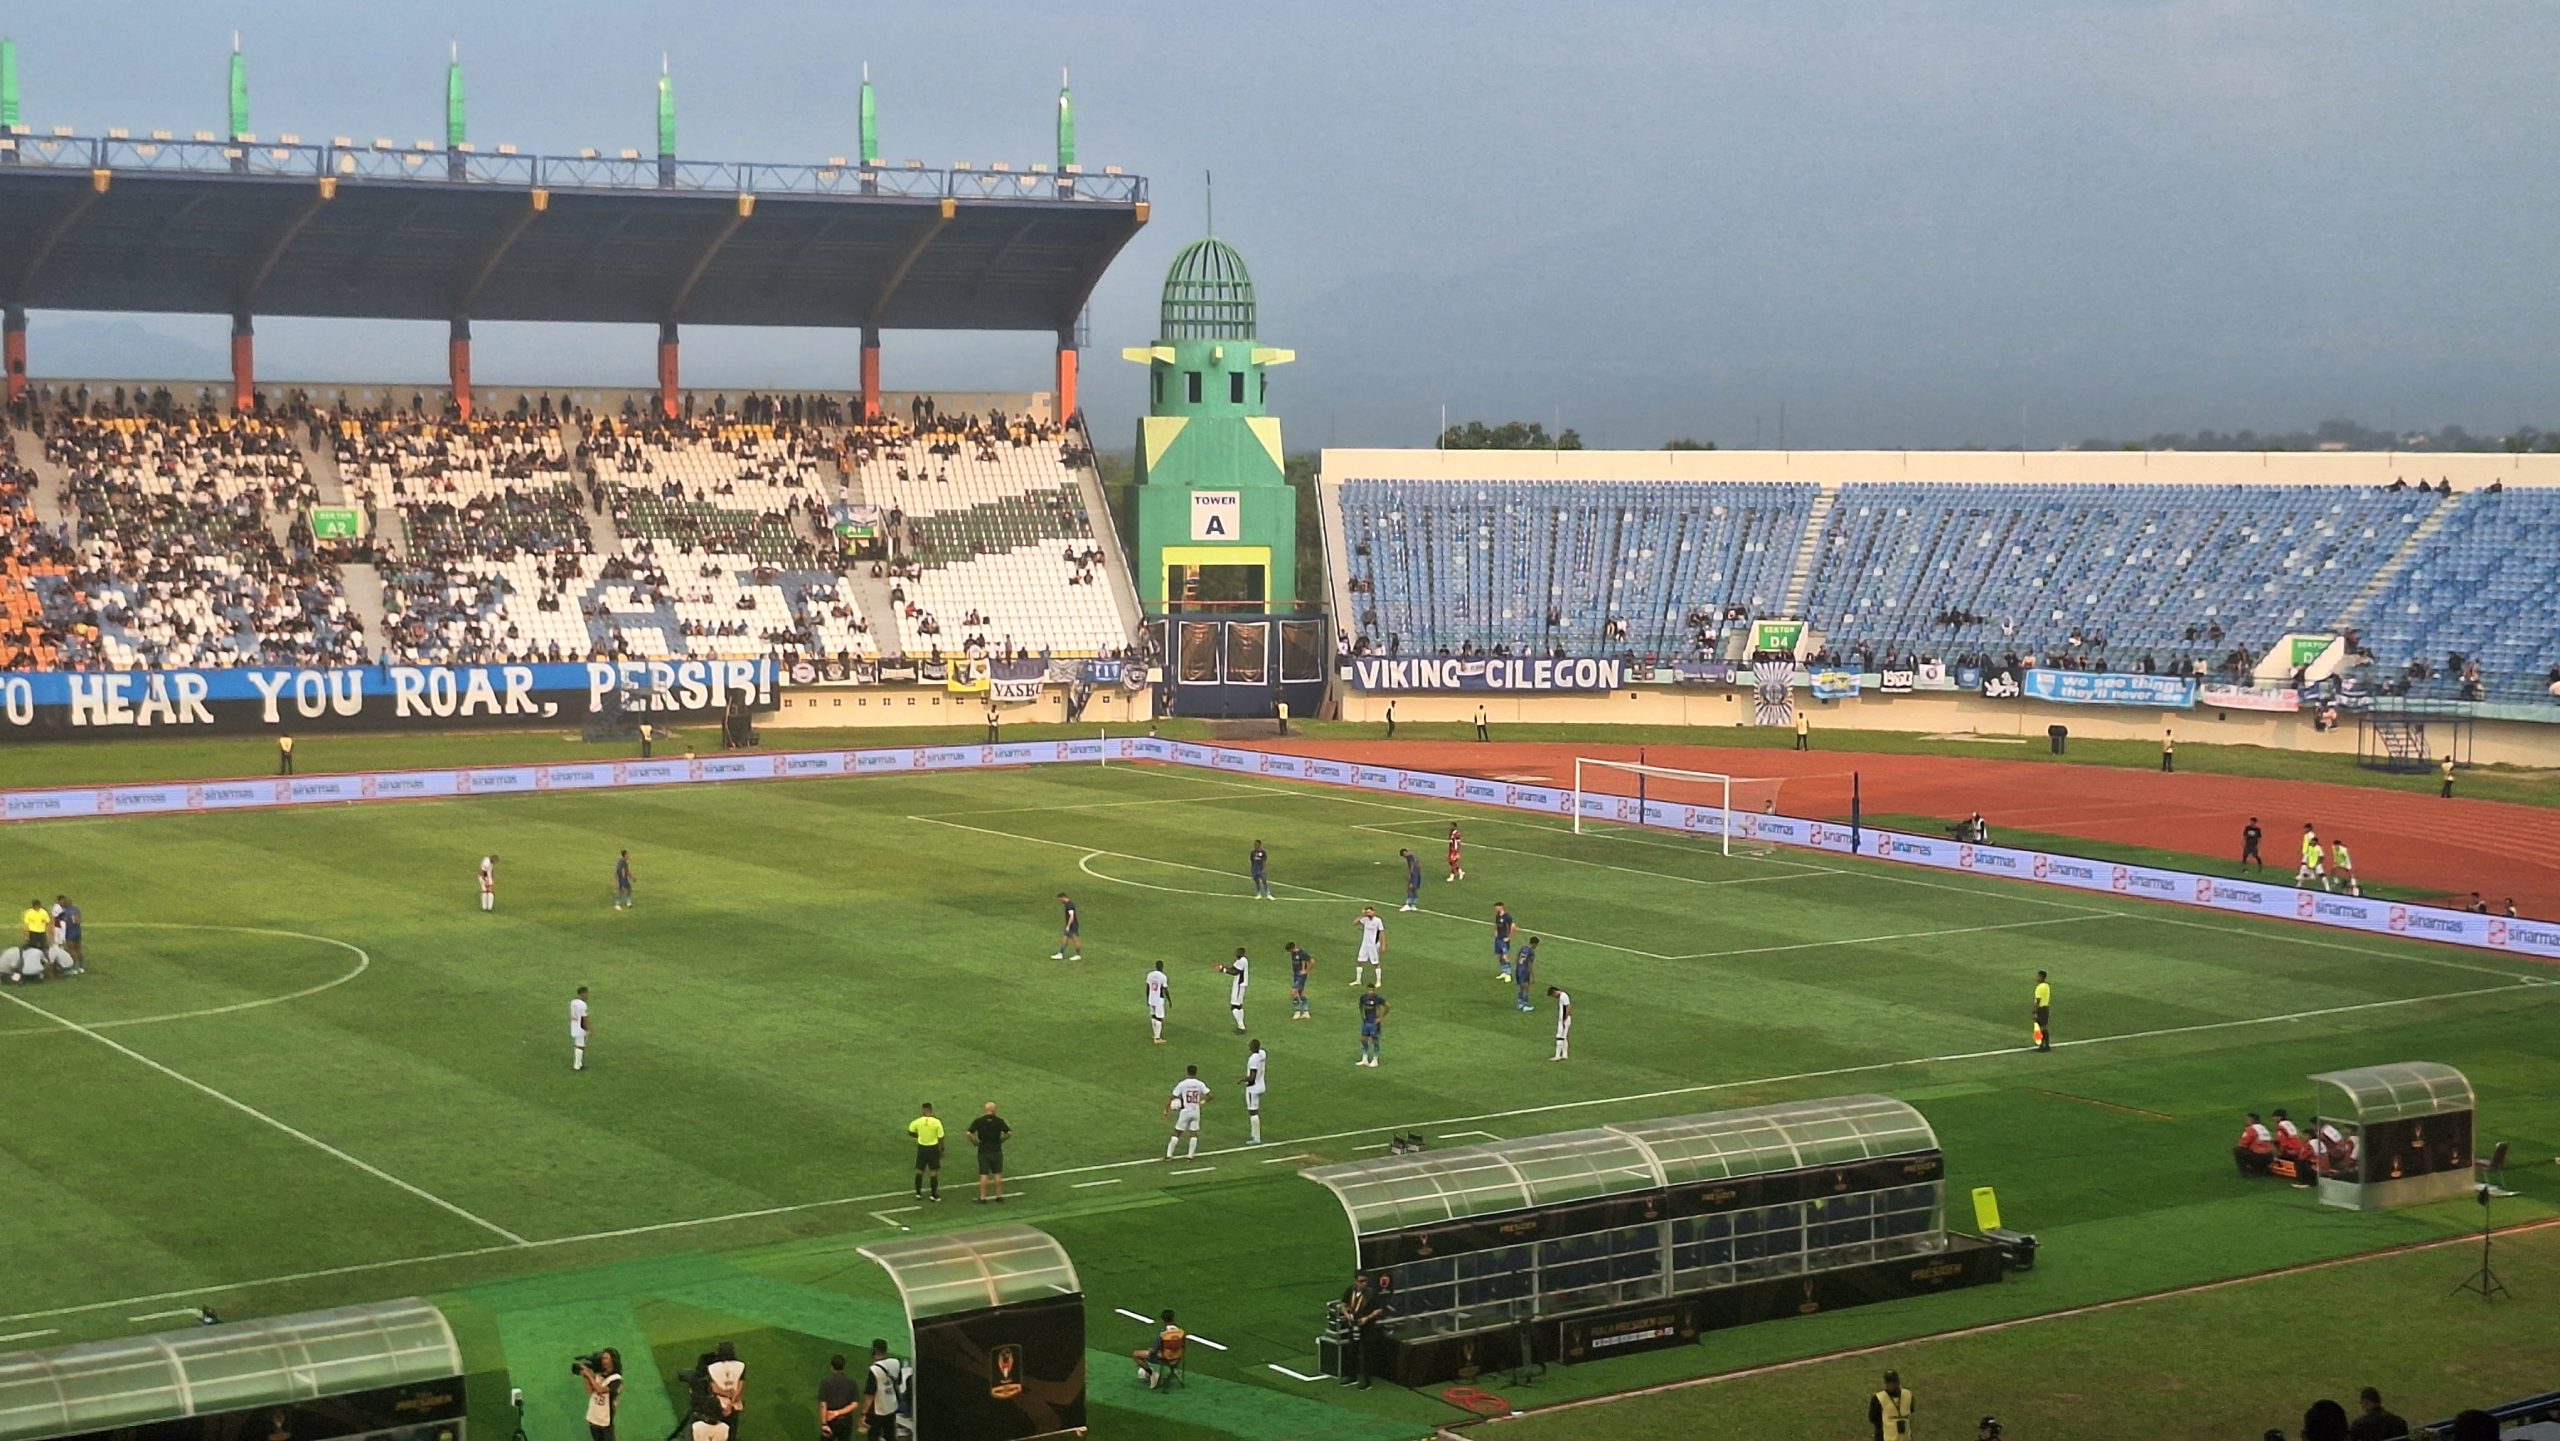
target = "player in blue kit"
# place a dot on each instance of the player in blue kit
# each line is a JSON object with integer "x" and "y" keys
{"x": 1412, "y": 880}
{"x": 1299, "y": 964}
{"x": 1373, "y": 1024}
{"x": 1501, "y": 941}
{"x": 1523, "y": 967}
{"x": 1070, "y": 930}
{"x": 622, "y": 882}
{"x": 1261, "y": 872}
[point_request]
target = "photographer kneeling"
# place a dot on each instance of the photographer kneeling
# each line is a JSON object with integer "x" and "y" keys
{"x": 603, "y": 1374}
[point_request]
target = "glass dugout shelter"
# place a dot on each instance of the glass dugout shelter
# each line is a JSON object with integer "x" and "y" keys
{"x": 998, "y": 1320}
{"x": 2404, "y": 1134}
{"x": 1610, "y": 1239}
{"x": 390, "y": 1369}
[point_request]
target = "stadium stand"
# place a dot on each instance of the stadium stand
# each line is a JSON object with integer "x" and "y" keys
{"x": 1534, "y": 566}
{"x": 2476, "y": 611}
{"x": 994, "y": 544}
{"x": 2098, "y": 576}
{"x": 186, "y": 554}
{"x": 29, "y": 552}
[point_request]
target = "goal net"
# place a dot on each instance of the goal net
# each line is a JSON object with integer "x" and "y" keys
{"x": 1611, "y": 795}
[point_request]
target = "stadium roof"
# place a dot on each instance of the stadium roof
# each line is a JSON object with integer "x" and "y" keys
{"x": 377, "y": 231}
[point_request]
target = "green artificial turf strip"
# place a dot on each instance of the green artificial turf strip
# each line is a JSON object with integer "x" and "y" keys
{"x": 2232, "y": 1362}
{"x": 805, "y": 963}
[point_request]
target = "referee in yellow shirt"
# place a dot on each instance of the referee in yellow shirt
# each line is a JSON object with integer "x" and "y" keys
{"x": 2044, "y": 1013}
{"x": 38, "y": 924}
{"x": 927, "y": 1129}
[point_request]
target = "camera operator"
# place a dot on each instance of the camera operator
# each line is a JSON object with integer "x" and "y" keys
{"x": 729, "y": 1385}
{"x": 699, "y": 1404}
{"x": 602, "y": 1372}
{"x": 1361, "y": 1315}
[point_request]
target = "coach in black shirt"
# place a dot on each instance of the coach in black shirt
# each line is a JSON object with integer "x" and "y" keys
{"x": 839, "y": 1399}
{"x": 990, "y": 1132}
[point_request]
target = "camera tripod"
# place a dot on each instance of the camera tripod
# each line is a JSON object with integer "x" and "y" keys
{"x": 2485, "y": 1280}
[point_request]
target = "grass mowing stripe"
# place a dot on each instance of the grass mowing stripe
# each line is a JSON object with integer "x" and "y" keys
{"x": 255, "y": 1114}
{"x": 1155, "y": 1160}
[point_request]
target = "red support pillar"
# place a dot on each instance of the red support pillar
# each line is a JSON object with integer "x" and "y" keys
{"x": 244, "y": 364}
{"x": 1066, "y": 375}
{"x": 667, "y": 398}
{"x": 458, "y": 364}
{"x": 870, "y": 373}
{"x": 13, "y": 351}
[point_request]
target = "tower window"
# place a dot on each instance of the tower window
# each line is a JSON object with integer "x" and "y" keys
{"x": 1192, "y": 377}
{"x": 1235, "y": 387}
{"x": 1159, "y": 378}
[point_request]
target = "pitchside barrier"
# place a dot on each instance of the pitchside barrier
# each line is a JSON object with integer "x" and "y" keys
{"x": 2538, "y": 939}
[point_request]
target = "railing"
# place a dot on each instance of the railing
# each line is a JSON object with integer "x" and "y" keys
{"x": 630, "y": 170}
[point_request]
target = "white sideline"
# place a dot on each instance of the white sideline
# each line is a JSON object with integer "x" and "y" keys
{"x": 1155, "y": 1160}
{"x": 255, "y": 1114}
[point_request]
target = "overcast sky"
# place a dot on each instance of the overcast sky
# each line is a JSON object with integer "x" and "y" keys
{"x": 1902, "y": 224}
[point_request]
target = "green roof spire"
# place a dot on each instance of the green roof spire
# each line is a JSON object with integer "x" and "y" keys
{"x": 457, "y": 122}
{"x": 666, "y": 109}
{"x": 869, "y": 136}
{"x": 8, "y": 82}
{"x": 239, "y": 90}
{"x": 1066, "y": 122}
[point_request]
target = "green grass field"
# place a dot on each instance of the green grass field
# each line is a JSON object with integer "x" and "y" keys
{"x": 307, "y": 1070}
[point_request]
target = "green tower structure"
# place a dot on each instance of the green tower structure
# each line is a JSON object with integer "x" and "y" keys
{"x": 8, "y": 84}
{"x": 239, "y": 90}
{"x": 1217, "y": 521}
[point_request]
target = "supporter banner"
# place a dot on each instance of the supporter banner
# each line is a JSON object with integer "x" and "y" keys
{"x": 2273, "y": 900}
{"x": 2000, "y": 685}
{"x": 2249, "y": 697}
{"x": 1969, "y": 677}
{"x": 1835, "y": 685}
{"x": 1900, "y": 682}
{"x": 1488, "y": 673}
{"x": 2088, "y": 687}
{"x": 967, "y": 677}
{"x": 900, "y": 672}
{"x": 1705, "y": 672}
{"x": 57, "y": 705}
{"x": 1933, "y": 676}
{"x": 1099, "y": 672}
{"x": 1774, "y": 701}
{"x": 1014, "y": 692}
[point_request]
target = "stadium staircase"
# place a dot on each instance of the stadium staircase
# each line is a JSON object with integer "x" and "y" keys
{"x": 2403, "y": 739}
{"x": 1106, "y": 534}
{"x": 53, "y": 499}
{"x": 2409, "y": 550}
{"x": 603, "y": 536}
{"x": 1809, "y": 550}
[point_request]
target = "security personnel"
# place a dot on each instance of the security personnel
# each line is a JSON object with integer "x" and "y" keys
{"x": 284, "y": 755}
{"x": 2044, "y": 1013}
{"x": 2168, "y": 750}
{"x": 648, "y": 738}
{"x": 1889, "y": 1410}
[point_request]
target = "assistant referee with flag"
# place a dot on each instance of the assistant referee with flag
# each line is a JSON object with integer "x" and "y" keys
{"x": 2044, "y": 1013}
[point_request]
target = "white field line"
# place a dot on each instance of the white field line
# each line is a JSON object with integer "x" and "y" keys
{"x": 1297, "y": 1375}
{"x": 364, "y": 961}
{"x": 1194, "y": 1171}
{"x": 1132, "y": 1315}
{"x": 29, "y": 1335}
{"x": 1088, "y": 1185}
{"x": 164, "y": 1315}
{"x": 1156, "y": 1159}
{"x": 1801, "y": 872}
{"x": 255, "y": 1114}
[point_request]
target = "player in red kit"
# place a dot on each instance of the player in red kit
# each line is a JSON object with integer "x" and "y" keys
{"x": 1457, "y": 857}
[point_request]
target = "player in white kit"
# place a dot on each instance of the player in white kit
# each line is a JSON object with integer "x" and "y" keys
{"x": 578, "y": 1030}
{"x": 489, "y": 883}
{"x": 1240, "y": 974}
{"x": 1257, "y": 1074}
{"x": 1373, "y": 946}
{"x": 1159, "y": 991}
{"x": 1564, "y": 1023}
{"x": 1189, "y": 1095}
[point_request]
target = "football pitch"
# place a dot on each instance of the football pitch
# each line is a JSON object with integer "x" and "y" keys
{"x": 306, "y": 1069}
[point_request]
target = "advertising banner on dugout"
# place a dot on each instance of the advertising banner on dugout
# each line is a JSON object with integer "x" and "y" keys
{"x": 76, "y": 705}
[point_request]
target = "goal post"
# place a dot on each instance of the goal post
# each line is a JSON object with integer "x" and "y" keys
{"x": 1610, "y": 793}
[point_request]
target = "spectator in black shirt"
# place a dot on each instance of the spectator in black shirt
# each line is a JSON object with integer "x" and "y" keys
{"x": 990, "y": 1132}
{"x": 2250, "y": 835}
{"x": 2378, "y": 1423}
{"x": 839, "y": 1399}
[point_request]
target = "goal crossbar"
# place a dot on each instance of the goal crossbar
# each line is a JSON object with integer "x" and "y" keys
{"x": 1706, "y": 803}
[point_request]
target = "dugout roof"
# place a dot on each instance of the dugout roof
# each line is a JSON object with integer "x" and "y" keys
{"x": 211, "y": 1369}
{"x": 351, "y": 231}
{"x": 972, "y": 1270}
{"x": 2396, "y": 1092}
{"x": 1393, "y": 1193}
